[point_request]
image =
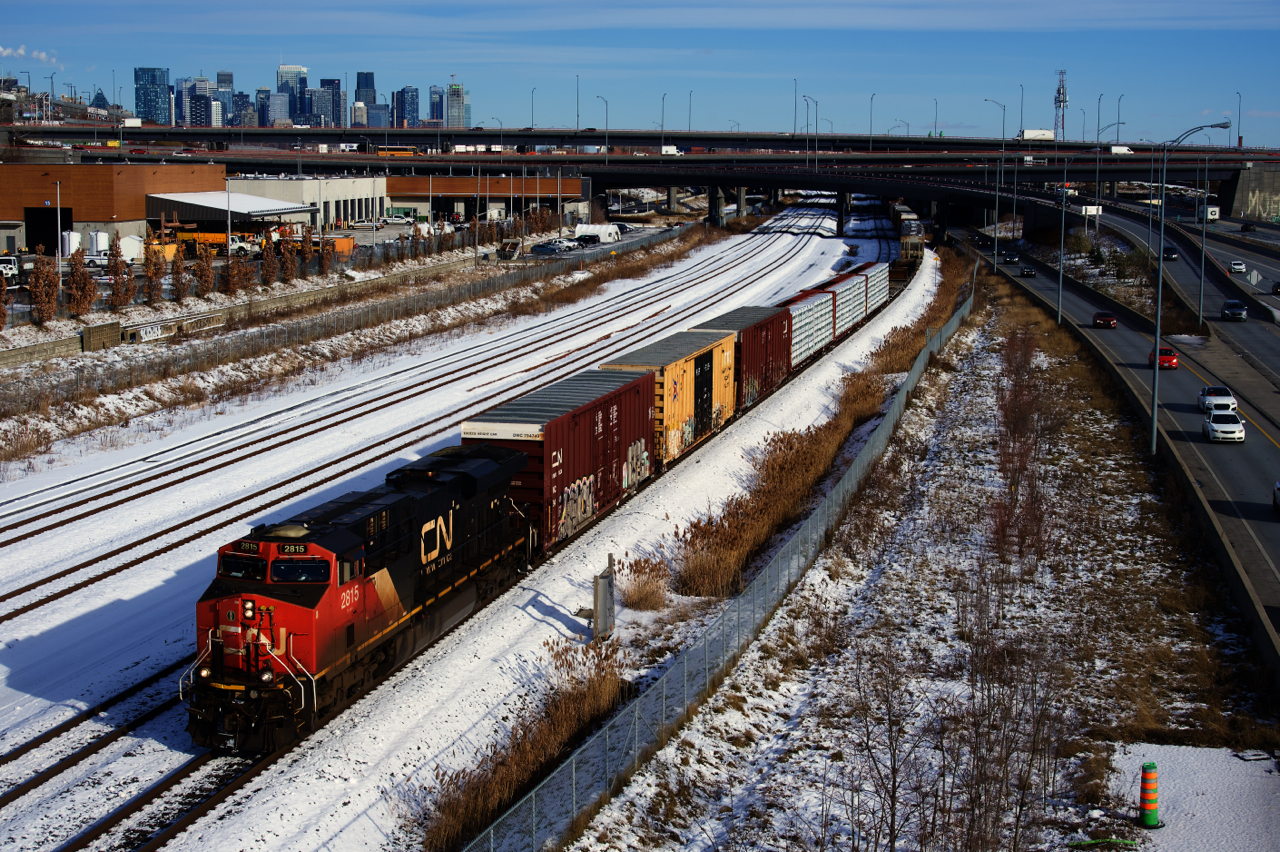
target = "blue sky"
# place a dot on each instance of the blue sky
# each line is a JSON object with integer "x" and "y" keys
{"x": 1178, "y": 64}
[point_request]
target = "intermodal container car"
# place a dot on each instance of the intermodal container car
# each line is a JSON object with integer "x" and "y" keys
{"x": 761, "y": 349}
{"x": 693, "y": 387}
{"x": 850, "y": 291}
{"x": 877, "y": 283}
{"x": 812, "y": 324}
{"x": 589, "y": 439}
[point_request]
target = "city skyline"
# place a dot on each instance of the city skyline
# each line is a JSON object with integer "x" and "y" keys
{"x": 747, "y": 64}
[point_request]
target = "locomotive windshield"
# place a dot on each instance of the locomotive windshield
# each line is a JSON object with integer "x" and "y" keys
{"x": 299, "y": 571}
{"x": 238, "y": 567}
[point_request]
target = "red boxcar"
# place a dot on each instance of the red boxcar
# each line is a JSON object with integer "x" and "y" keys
{"x": 589, "y": 439}
{"x": 762, "y": 349}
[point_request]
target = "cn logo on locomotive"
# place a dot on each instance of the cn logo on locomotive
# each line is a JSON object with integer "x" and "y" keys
{"x": 444, "y": 534}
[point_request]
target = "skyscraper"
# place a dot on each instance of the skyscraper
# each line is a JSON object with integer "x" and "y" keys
{"x": 224, "y": 93}
{"x": 261, "y": 100}
{"x": 278, "y": 109}
{"x": 359, "y": 116}
{"x": 377, "y": 115}
{"x": 242, "y": 111}
{"x": 320, "y": 102}
{"x": 339, "y": 99}
{"x": 182, "y": 92}
{"x": 291, "y": 80}
{"x": 406, "y": 107}
{"x": 437, "y": 105}
{"x": 458, "y": 106}
{"x": 151, "y": 94}
{"x": 366, "y": 92}
{"x": 199, "y": 111}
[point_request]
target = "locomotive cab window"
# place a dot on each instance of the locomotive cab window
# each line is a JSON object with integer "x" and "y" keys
{"x": 348, "y": 570}
{"x": 237, "y": 567}
{"x": 299, "y": 571}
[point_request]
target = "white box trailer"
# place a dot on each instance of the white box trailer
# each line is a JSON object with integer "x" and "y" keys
{"x": 1213, "y": 212}
{"x": 1035, "y": 135}
{"x": 606, "y": 233}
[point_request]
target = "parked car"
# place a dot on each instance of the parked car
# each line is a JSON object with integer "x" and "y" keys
{"x": 1216, "y": 398}
{"x": 396, "y": 220}
{"x": 1234, "y": 310}
{"x": 1223, "y": 426}
{"x": 565, "y": 244}
{"x": 545, "y": 248}
{"x": 366, "y": 224}
{"x": 1027, "y": 272}
{"x": 1248, "y": 227}
{"x": 1104, "y": 319}
{"x": 1238, "y": 266}
{"x": 588, "y": 239}
{"x": 96, "y": 260}
{"x": 1168, "y": 358}
{"x": 624, "y": 228}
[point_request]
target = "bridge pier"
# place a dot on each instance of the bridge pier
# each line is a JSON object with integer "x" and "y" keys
{"x": 842, "y": 212}
{"x": 715, "y": 206}
{"x": 742, "y": 201}
{"x": 672, "y": 201}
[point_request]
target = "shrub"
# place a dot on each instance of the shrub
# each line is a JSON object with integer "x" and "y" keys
{"x": 270, "y": 264}
{"x": 203, "y": 271}
{"x": 43, "y": 288}
{"x": 178, "y": 274}
{"x": 123, "y": 288}
{"x": 82, "y": 290}
{"x": 288, "y": 261}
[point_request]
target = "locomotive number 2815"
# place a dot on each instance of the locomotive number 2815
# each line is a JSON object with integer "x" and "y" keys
{"x": 349, "y": 597}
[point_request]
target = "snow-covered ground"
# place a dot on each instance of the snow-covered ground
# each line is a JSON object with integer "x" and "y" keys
{"x": 453, "y": 700}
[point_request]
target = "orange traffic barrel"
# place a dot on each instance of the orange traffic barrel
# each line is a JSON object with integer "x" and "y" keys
{"x": 1150, "y": 797}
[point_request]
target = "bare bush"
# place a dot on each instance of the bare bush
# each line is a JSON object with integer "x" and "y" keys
{"x": 270, "y": 264}
{"x": 82, "y": 290}
{"x": 180, "y": 281}
{"x": 123, "y": 288}
{"x": 288, "y": 261}
{"x": 42, "y": 286}
{"x": 203, "y": 272}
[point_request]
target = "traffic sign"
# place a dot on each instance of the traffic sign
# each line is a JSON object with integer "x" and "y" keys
{"x": 1254, "y": 278}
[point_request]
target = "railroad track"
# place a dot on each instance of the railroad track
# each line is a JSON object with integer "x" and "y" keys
{"x": 178, "y": 777}
{"x": 544, "y": 373}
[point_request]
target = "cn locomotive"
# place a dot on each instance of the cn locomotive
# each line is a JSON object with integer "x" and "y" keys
{"x": 305, "y": 615}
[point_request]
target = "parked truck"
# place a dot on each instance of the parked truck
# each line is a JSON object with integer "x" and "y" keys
{"x": 241, "y": 244}
{"x": 1029, "y": 135}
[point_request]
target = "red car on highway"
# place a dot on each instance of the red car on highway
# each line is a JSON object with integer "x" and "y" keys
{"x": 1104, "y": 319}
{"x": 1168, "y": 358}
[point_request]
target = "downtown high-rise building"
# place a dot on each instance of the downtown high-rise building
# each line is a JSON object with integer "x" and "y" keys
{"x": 436, "y": 116}
{"x": 261, "y": 101}
{"x": 366, "y": 92}
{"x": 291, "y": 80}
{"x": 242, "y": 111}
{"x": 339, "y": 100}
{"x": 151, "y": 94}
{"x": 278, "y": 106}
{"x": 359, "y": 115}
{"x": 405, "y": 107}
{"x": 224, "y": 93}
{"x": 377, "y": 115}
{"x": 457, "y": 106}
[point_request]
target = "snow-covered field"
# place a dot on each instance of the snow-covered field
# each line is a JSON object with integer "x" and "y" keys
{"x": 62, "y": 657}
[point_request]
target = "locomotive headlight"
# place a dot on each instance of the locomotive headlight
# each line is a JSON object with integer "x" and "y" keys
{"x": 205, "y": 672}
{"x": 248, "y": 610}
{"x": 266, "y": 676}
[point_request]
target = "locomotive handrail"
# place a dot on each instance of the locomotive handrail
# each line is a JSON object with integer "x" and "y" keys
{"x": 208, "y": 646}
{"x": 315, "y": 701}
{"x": 302, "y": 690}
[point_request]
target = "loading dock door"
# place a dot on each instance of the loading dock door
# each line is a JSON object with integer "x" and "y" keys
{"x": 42, "y": 227}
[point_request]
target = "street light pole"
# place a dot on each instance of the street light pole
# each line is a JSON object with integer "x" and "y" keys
{"x": 795, "y": 104}
{"x": 907, "y": 123}
{"x": 386, "y": 128}
{"x": 577, "y": 105}
{"x": 1118, "y": 122}
{"x": 501, "y": 128}
{"x": 1155, "y": 362}
{"x": 935, "y": 116}
{"x": 1062, "y": 236}
{"x": 871, "y": 121}
{"x": 662, "y": 138}
{"x": 815, "y": 134}
{"x": 806, "y": 130}
{"x": 1022, "y": 102}
{"x": 995, "y": 256}
{"x": 1084, "y": 116}
{"x": 532, "y": 123}
{"x": 606, "y": 130}
{"x": 1239, "y": 122}
{"x": 691, "y": 110}
{"x": 58, "y": 247}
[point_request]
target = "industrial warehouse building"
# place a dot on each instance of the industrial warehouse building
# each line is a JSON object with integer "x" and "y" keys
{"x": 334, "y": 199}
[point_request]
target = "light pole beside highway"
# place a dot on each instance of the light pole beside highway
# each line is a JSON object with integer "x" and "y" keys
{"x": 806, "y": 130}
{"x": 1204, "y": 228}
{"x": 1239, "y": 122}
{"x": 1062, "y": 236}
{"x": 606, "y": 130}
{"x": 662, "y": 139}
{"x": 1097, "y": 189}
{"x": 531, "y": 121}
{"x": 1022, "y": 103}
{"x": 907, "y": 123}
{"x": 1155, "y": 362}
{"x": 935, "y": 116}
{"x": 815, "y": 133}
{"x": 871, "y": 121}
{"x": 1118, "y": 121}
{"x": 501, "y": 128}
{"x": 995, "y": 255}
{"x": 691, "y": 110}
{"x": 795, "y": 105}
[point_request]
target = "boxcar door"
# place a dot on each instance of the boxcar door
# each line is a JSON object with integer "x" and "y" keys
{"x": 702, "y": 392}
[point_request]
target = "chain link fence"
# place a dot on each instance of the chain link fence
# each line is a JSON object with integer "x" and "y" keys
{"x": 542, "y": 818}
{"x": 89, "y": 380}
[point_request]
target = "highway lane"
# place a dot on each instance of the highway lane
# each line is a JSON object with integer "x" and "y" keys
{"x": 1260, "y": 337}
{"x": 1237, "y": 479}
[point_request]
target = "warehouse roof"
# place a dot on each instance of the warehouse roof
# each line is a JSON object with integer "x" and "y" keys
{"x": 214, "y": 205}
{"x": 668, "y": 350}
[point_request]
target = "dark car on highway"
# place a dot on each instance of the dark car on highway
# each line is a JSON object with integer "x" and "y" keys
{"x": 1170, "y": 253}
{"x": 1248, "y": 227}
{"x": 1028, "y": 272}
{"x": 1234, "y": 310}
{"x": 1104, "y": 319}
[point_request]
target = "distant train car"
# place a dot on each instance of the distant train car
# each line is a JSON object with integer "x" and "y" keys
{"x": 693, "y": 387}
{"x": 589, "y": 439}
{"x": 812, "y": 324}
{"x": 761, "y": 349}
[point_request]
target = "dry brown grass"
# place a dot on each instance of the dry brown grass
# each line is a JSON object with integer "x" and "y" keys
{"x": 643, "y": 583}
{"x": 585, "y": 684}
{"x": 712, "y": 552}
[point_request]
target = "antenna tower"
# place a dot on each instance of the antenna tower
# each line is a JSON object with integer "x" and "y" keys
{"x": 1060, "y": 107}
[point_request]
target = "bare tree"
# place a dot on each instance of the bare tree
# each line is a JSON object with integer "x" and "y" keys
{"x": 235, "y": 276}
{"x": 288, "y": 261}
{"x": 203, "y": 271}
{"x": 82, "y": 290}
{"x": 270, "y": 264}
{"x": 42, "y": 286}
{"x": 153, "y": 268}
{"x": 308, "y": 251}
{"x": 178, "y": 274}
{"x": 326, "y": 256}
{"x": 123, "y": 289}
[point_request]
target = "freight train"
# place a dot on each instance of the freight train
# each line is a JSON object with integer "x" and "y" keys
{"x": 304, "y": 616}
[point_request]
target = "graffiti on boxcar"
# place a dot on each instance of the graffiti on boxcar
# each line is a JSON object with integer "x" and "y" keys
{"x": 680, "y": 438}
{"x": 577, "y": 506}
{"x": 636, "y": 468}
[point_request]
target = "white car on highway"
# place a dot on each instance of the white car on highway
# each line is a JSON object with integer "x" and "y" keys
{"x": 1216, "y": 398}
{"x": 1238, "y": 266}
{"x": 1223, "y": 426}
